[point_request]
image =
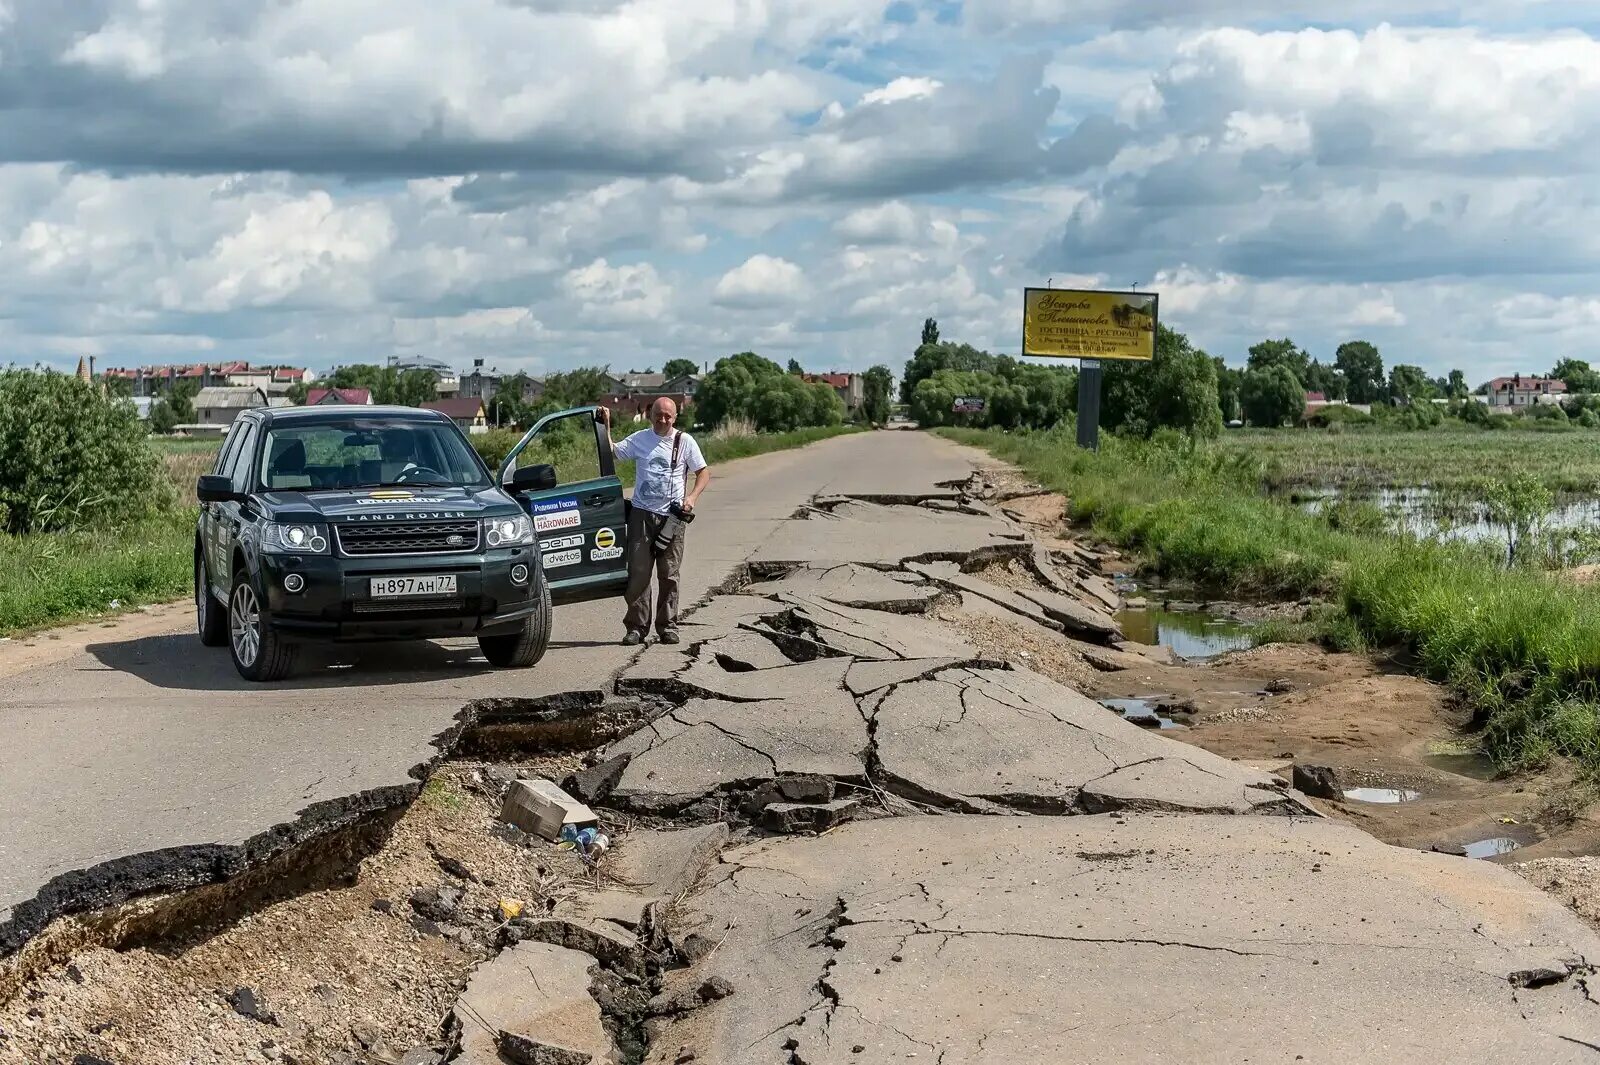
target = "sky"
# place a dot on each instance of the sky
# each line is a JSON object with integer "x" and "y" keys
{"x": 552, "y": 183}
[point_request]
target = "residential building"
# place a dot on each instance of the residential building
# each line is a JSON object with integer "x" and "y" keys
{"x": 448, "y": 381}
{"x": 635, "y": 406}
{"x": 361, "y": 397}
{"x": 216, "y": 407}
{"x": 1524, "y": 391}
{"x": 684, "y": 384}
{"x": 849, "y": 387}
{"x": 465, "y": 411}
{"x": 153, "y": 380}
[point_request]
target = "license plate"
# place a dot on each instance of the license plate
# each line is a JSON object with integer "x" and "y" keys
{"x": 402, "y": 587}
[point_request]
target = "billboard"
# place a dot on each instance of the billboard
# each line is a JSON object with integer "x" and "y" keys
{"x": 1062, "y": 323}
{"x": 968, "y": 405}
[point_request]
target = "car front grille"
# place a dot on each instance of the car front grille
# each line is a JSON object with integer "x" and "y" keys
{"x": 408, "y": 606}
{"x": 409, "y": 538}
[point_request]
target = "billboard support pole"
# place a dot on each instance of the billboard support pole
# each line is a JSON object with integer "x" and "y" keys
{"x": 1089, "y": 404}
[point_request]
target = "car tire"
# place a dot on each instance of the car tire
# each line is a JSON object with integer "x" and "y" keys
{"x": 521, "y": 649}
{"x": 259, "y": 652}
{"x": 210, "y": 619}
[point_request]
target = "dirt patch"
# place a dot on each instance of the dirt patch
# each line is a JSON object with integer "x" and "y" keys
{"x": 1282, "y": 705}
{"x": 355, "y": 973}
{"x": 996, "y": 635}
{"x": 1575, "y": 881}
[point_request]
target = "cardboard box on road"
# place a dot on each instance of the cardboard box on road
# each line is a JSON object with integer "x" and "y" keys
{"x": 541, "y": 807}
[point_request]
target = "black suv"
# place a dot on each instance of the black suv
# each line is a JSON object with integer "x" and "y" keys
{"x": 382, "y": 523}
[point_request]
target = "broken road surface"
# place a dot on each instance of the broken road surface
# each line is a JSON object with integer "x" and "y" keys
{"x": 1004, "y": 870}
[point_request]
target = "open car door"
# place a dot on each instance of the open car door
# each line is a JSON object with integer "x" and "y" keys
{"x": 582, "y": 523}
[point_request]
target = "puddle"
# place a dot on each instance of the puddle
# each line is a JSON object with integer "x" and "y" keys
{"x": 1475, "y": 766}
{"x": 1426, "y": 513}
{"x": 1192, "y": 635}
{"x": 1489, "y": 848}
{"x": 1381, "y": 795}
{"x": 1138, "y": 708}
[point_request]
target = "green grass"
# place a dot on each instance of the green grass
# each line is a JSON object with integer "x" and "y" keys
{"x": 1451, "y": 456}
{"x": 1521, "y": 648}
{"x": 51, "y": 578}
{"x": 55, "y": 578}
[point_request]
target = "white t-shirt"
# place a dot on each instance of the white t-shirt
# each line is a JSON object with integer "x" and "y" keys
{"x": 655, "y": 484}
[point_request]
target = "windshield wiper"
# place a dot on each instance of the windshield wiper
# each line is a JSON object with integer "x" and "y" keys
{"x": 406, "y": 484}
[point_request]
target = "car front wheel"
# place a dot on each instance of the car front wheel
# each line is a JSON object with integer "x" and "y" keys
{"x": 259, "y": 653}
{"x": 526, "y": 646}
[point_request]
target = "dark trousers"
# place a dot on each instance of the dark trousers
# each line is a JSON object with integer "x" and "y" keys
{"x": 642, "y": 561}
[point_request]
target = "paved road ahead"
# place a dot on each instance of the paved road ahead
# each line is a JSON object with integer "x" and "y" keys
{"x": 127, "y": 739}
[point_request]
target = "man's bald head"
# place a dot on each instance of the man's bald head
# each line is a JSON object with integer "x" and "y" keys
{"x": 663, "y": 412}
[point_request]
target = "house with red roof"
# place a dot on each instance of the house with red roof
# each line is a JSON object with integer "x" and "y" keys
{"x": 1519, "y": 391}
{"x": 319, "y": 397}
{"x": 467, "y": 412}
{"x": 850, "y": 387}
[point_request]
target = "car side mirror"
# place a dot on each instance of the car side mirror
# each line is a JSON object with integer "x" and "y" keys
{"x": 215, "y": 488}
{"x": 538, "y": 478}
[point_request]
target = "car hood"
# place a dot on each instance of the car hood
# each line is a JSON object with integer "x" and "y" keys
{"x": 393, "y": 504}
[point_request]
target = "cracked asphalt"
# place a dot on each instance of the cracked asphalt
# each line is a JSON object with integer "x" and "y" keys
{"x": 135, "y": 758}
{"x": 1027, "y": 876}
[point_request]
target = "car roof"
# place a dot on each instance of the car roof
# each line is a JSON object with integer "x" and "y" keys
{"x": 347, "y": 411}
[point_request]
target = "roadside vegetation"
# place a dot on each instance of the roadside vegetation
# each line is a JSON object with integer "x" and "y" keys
{"x": 98, "y": 516}
{"x": 1519, "y": 644}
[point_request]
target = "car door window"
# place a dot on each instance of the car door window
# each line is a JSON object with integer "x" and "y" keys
{"x": 243, "y": 456}
{"x": 568, "y": 444}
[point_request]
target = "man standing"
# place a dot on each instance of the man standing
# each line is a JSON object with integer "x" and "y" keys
{"x": 664, "y": 458}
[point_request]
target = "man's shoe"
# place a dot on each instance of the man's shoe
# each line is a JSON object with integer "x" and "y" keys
{"x": 669, "y": 636}
{"x": 634, "y": 638}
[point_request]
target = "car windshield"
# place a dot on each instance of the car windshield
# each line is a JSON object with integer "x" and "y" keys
{"x": 368, "y": 453}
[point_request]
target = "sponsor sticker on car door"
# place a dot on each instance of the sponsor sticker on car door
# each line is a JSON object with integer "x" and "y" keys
{"x": 605, "y": 546}
{"x": 556, "y": 514}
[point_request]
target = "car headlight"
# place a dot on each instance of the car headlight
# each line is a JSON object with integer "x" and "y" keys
{"x": 278, "y": 539}
{"x": 505, "y": 532}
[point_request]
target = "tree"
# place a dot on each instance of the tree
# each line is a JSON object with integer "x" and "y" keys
{"x": 389, "y": 384}
{"x": 1408, "y": 383}
{"x": 1362, "y": 367}
{"x": 1456, "y": 385}
{"x": 1177, "y": 389}
{"x": 575, "y": 388}
{"x": 1272, "y": 397}
{"x": 180, "y": 401}
{"x": 795, "y": 367}
{"x": 1578, "y": 376}
{"x": 1279, "y": 353}
{"x": 72, "y": 456}
{"x": 680, "y": 368}
{"x": 748, "y": 386}
{"x": 1228, "y": 384}
{"x": 932, "y": 357}
{"x": 297, "y": 393}
{"x": 1321, "y": 377}
{"x": 162, "y": 420}
{"x": 930, "y": 331}
{"x": 875, "y": 386}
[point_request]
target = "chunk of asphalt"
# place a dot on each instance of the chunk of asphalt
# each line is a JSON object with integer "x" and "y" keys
{"x": 246, "y": 1003}
{"x": 439, "y": 904}
{"x": 1318, "y": 780}
{"x": 968, "y": 739}
{"x": 538, "y": 992}
{"x": 808, "y": 817}
{"x": 592, "y": 785}
{"x": 610, "y": 944}
{"x": 520, "y": 1050}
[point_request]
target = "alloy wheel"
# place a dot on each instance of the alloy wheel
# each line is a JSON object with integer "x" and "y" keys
{"x": 244, "y": 624}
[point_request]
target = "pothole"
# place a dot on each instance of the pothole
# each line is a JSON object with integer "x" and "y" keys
{"x": 1142, "y": 712}
{"x": 1382, "y": 795}
{"x": 1491, "y": 848}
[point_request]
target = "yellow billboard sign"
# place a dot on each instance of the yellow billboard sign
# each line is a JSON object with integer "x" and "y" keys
{"x": 1073, "y": 324}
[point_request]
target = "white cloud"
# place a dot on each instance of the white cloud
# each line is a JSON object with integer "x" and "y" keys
{"x": 902, "y": 89}
{"x": 613, "y": 296}
{"x": 887, "y": 223}
{"x": 761, "y": 281}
